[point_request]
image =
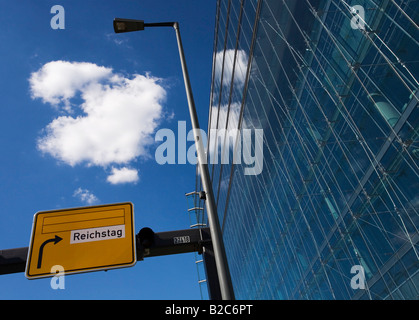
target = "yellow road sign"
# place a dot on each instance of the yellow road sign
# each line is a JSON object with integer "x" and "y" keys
{"x": 82, "y": 240}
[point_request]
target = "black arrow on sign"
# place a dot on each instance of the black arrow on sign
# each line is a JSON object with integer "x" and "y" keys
{"x": 41, "y": 248}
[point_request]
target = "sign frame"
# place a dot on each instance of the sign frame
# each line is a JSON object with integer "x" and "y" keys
{"x": 124, "y": 232}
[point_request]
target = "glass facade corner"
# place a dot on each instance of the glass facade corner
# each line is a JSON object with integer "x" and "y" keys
{"x": 334, "y": 87}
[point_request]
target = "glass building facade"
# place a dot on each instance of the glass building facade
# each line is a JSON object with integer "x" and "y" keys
{"x": 333, "y": 84}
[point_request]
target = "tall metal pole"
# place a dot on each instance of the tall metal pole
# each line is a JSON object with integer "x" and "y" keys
{"x": 226, "y": 286}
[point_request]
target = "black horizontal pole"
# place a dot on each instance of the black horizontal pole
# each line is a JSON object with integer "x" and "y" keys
{"x": 182, "y": 241}
{"x": 173, "y": 242}
{"x": 13, "y": 260}
{"x": 163, "y": 243}
{"x": 158, "y": 244}
{"x": 160, "y": 24}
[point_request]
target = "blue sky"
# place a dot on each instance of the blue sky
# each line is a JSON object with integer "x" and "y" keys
{"x": 65, "y": 94}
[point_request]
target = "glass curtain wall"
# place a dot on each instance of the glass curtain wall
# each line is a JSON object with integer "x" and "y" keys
{"x": 334, "y": 87}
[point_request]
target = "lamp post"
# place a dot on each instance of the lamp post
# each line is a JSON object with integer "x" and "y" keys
{"x": 226, "y": 287}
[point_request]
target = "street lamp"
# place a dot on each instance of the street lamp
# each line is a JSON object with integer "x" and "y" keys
{"x": 226, "y": 287}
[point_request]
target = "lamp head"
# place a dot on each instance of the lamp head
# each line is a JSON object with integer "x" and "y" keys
{"x": 127, "y": 25}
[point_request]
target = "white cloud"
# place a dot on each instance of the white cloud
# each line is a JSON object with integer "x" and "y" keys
{"x": 233, "y": 116}
{"x": 123, "y": 175}
{"x": 85, "y": 196}
{"x": 217, "y": 131}
{"x": 58, "y": 81}
{"x": 111, "y": 36}
{"x": 116, "y": 119}
{"x": 240, "y": 67}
